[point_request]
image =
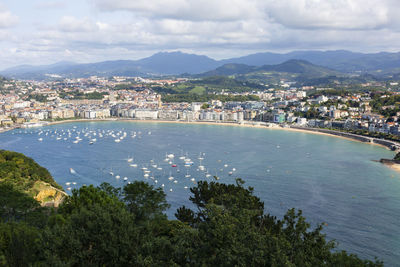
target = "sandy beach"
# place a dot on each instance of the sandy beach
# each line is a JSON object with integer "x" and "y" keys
{"x": 270, "y": 126}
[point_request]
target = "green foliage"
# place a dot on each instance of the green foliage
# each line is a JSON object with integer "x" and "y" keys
{"x": 205, "y": 98}
{"x": 144, "y": 201}
{"x": 22, "y": 171}
{"x": 80, "y": 95}
{"x": 107, "y": 226}
{"x": 37, "y": 97}
{"x": 205, "y": 106}
{"x": 14, "y": 204}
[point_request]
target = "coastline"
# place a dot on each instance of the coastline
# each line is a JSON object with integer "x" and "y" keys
{"x": 249, "y": 124}
{"x": 270, "y": 126}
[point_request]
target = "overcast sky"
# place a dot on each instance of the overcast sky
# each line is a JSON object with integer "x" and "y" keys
{"x": 48, "y": 31}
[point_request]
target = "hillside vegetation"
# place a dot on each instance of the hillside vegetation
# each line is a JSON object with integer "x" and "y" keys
{"x": 24, "y": 175}
{"x": 107, "y": 226}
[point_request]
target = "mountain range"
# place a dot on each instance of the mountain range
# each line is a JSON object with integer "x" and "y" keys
{"x": 177, "y": 63}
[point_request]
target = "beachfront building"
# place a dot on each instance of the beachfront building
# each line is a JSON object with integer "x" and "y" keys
{"x": 143, "y": 114}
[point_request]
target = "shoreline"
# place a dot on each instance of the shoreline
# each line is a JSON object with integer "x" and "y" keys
{"x": 249, "y": 124}
{"x": 270, "y": 126}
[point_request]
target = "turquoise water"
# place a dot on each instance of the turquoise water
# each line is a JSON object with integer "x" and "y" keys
{"x": 332, "y": 180}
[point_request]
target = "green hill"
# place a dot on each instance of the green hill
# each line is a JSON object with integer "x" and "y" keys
{"x": 291, "y": 70}
{"x": 26, "y": 176}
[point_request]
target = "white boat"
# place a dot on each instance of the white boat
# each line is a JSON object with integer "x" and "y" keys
{"x": 170, "y": 156}
{"x": 129, "y": 160}
{"x": 117, "y": 176}
{"x": 40, "y": 139}
{"x": 68, "y": 183}
{"x": 72, "y": 171}
{"x": 146, "y": 175}
{"x": 117, "y": 140}
{"x": 170, "y": 190}
{"x": 125, "y": 178}
{"x": 185, "y": 187}
{"x": 233, "y": 169}
{"x": 175, "y": 182}
{"x": 133, "y": 165}
{"x": 159, "y": 168}
{"x": 225, "y": 165}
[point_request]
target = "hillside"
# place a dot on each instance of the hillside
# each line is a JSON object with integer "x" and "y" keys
{"x": 226, "y": 225}
{"x": 24, "y": 175}
{"x": 291, "y": 70}
{"x": 178, "y": 63}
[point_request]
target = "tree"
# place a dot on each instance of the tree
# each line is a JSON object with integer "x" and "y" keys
{"x": 144, "y": 201}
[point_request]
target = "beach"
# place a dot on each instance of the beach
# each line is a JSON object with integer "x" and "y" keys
{"x": 249, "y": 124}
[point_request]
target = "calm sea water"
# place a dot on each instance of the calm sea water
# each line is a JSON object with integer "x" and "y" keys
{"x": 332, "y": 180}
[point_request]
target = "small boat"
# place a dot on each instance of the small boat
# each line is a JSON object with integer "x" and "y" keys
{"x": 125, "y": 178}
{"x": 68, "y": 183}
{"x": 185, "y": 187}
{"x": 173, "y": 165}
{"x": 117, "y": 140}
{"x": 40, "y": 139}
{"x": 72, "y": 171}
{"x": 146, "y": 175}
{"x": 133, "y": 165}
{"x": 117, "y": 176}
{"x": 230, "y": 173}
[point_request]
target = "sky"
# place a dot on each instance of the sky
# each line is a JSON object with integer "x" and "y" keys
{"x": 42, "y": 32}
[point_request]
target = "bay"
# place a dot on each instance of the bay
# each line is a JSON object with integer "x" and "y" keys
{"x": 332, "y": 180}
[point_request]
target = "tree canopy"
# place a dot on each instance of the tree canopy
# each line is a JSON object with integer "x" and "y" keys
{"x": 108, "y": 226}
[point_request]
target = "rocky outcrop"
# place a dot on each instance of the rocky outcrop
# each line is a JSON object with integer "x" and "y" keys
{"x": 48, "y": 195}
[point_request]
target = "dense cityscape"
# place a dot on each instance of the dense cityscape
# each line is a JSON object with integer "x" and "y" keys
{"x": 29, "y": 103}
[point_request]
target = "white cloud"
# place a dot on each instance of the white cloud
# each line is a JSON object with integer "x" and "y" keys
{"x": 72, "y": 24}
{"x": 111, "y": 29}
{"x": 7, "y": 19}
{"x": 193, "y": 10}
{"x": 51, "y": 4}
{"x": 330, "y": 14}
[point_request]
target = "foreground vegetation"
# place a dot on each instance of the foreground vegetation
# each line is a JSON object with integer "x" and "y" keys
{"x": 107, "y": 226}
